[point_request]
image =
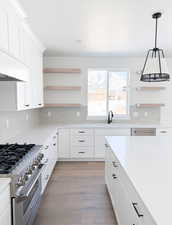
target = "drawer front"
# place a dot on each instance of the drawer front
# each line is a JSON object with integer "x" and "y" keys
{"x": 82, "y": 152}
{"x": 82, "y": 132}
{"x": 82, "y": 141}
{"x": 142, "y": 213}
{"x": 164, "y": 132}
{"x": 5, "y": 217}
{"x": 113, "y": 132}
{"x": 4, "y": 199}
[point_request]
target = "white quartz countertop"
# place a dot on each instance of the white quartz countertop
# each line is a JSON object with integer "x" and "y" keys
{"x": 148, "y": 163}
{"x": 37, "y": 135}
{"x": 112, "y": 125}
{"x": 3, "y": 183}
{"x": 40, "y": 133}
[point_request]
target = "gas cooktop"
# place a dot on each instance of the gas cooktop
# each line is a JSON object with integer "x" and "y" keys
{"x": 11, "y": 155}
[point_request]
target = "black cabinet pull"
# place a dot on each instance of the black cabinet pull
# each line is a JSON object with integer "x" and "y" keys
{"x": 27, "y": 105}
{"x": 114, "y": 176}
{"x": 115, "y": 164}
{"x": 54, "y": 144}
{"x": 137, "y": 211}
{"x": 81, "y": 141}
{"x": 39, "y": 104}
{"x": 81, "y": 152}
{"x": 81, "y": 132}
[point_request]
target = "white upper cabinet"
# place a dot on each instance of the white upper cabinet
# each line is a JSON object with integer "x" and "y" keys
{"x": 25, "y": 55}
{"x": 3, "y": 29}
{"x": 15, "y": 42}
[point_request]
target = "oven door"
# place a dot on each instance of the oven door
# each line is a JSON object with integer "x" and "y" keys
{"x": 25, "y": 207}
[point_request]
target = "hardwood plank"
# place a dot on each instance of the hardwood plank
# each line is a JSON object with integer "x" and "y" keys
{"x": 76, "y": 195}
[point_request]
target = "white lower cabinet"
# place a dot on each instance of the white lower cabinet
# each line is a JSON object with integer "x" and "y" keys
{"x": 5, "y": 207}
{"x": 64, "y": 143}
{"x": 128, "y": 206}
{"x": 50, "y": 152}
{"x": 100, "y": 139}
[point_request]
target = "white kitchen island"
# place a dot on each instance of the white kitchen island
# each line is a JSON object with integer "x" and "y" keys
{"x": 139, "y": 179}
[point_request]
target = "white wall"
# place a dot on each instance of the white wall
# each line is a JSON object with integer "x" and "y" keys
{"x": 133, "y": 64}
{"x": 18, "y": 122}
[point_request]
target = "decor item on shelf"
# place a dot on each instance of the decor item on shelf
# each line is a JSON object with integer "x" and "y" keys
{"x": 155, "y": 67}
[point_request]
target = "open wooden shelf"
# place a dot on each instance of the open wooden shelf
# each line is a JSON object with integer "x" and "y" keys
{"x": 62, "y": 70}
{"x": 52, "y": 105}
{"x": 63, "y": 88}
{"x": 149, "y": 105}
{"x": 145, "y": 88}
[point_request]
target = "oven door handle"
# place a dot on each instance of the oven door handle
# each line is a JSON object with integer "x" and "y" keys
{"x": 24, "y": 196}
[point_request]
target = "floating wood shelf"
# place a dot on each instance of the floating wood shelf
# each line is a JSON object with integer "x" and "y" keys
{"x": 62, "y": 70}
{"x": 63, "y": 88}
{"x": 145, "y": 88}
{"x": 149, "y": 105}
{"x": 62, "y": 105}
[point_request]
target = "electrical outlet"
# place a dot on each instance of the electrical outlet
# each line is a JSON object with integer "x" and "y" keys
{"x": 135, "y": 114}
{"x": 49, "y": 114}
{"x": 78, "y": 114}
{"x": 7, "y": 123}
{"x": 146, "y": 114}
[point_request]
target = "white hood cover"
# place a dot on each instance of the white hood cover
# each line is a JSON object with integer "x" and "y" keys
{"x": 11, "y": 69}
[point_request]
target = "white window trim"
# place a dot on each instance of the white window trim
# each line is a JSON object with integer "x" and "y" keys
{"x": 116, "y": 117}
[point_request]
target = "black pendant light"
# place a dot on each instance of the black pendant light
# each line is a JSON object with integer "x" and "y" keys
{"x": 155, "y": 67}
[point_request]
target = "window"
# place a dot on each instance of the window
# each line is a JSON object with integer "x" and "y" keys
{"x": 107, "y": 90}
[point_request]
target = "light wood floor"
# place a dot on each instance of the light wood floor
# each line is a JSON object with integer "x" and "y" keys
{"x": 76, "y": 195}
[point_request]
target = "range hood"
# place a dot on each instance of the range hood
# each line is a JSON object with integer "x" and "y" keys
{"x": 11, "y": 69}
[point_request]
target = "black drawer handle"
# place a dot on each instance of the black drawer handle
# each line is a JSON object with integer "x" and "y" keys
{"x": 81, "y": 132}
{"x": 81, "y": 141}
{"x": 54, "y": 144}
{"x": 81, "y": 152}
{"x": 39, "y": 104}
{"x": 115, "y": 164}
{"x": 163, "y": 132}
{"x": 114, "y": 176}
{"x": 27, "y": 105}
{"x": 137, "y": 211}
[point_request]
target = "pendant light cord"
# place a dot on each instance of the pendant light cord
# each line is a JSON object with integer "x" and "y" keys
{"x": 156, "y": 28}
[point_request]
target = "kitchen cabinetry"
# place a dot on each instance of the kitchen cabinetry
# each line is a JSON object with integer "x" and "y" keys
{"x": 22, "y": 59}
{"x": 50, "y": 158}
{"x": 100, "y": 139}
{"x": 128, "y": 206}
{"x": 5, "y": 206}
{"x": 3, "y": 29}
{"x": 64, "y": 143}
{"x": 82, "y": 143}
{"x": 163, "y": 131}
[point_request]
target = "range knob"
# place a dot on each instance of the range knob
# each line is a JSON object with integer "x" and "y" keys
{"x": 21, "y": 182}
{"x": 29, "y": 172}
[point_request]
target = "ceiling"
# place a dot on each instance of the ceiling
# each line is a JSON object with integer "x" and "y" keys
{"x": 99, "y": 27}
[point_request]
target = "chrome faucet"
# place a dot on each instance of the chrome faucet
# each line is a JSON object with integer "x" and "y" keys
{"x": 110, "y": 117}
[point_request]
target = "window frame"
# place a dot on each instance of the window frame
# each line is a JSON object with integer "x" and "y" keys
{"x": 116, "y": 117}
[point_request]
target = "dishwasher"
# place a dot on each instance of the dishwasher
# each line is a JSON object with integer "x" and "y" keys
{"x": 143, "y": 131}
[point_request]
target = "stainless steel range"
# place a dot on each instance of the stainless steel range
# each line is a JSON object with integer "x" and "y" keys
{"x": 22, "y": 163}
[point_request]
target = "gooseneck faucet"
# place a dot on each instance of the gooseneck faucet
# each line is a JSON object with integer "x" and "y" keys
{"x": 110, "y": 117}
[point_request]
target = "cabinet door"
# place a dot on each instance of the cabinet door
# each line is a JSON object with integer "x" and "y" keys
{"x": 99, "y": 146}
{"x": 100, "y": 139}
{"x": 122, "y": 206}
{"x": 3, "y": 29}
{"x": 14, "y": 36}
{"x": 64, "y": 143}
{"x": 37, "y": 76}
